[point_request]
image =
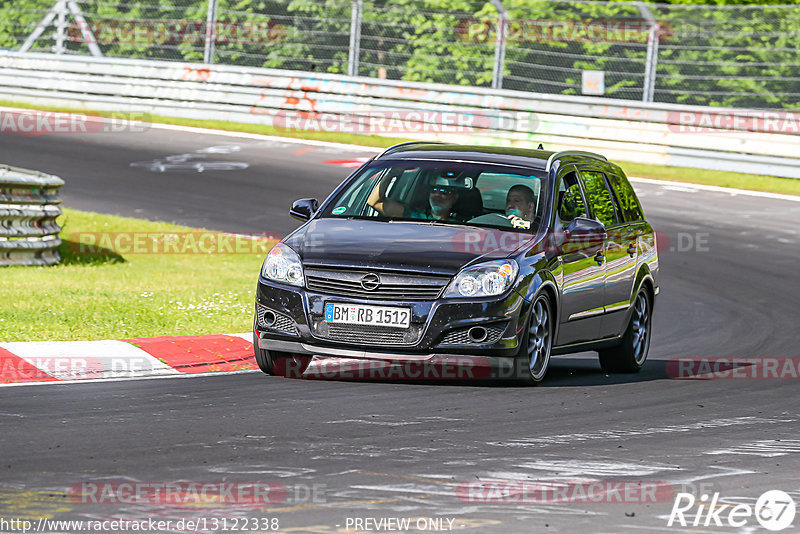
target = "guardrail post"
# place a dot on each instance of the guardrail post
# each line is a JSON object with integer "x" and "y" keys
{"x": 355, "y": 39}
{"x": 28, "y": 210}
{"x": 500, "y": 44}
{"x": 211, "y": 32}
{"x": 651, "y": 59}
{"x": 61, "y": 28}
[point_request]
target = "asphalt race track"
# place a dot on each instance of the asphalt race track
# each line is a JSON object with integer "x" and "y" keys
{"x": 373, "y": 449}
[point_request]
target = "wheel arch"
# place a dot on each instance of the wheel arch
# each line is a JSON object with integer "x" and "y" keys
{"x": 545, "y": 282}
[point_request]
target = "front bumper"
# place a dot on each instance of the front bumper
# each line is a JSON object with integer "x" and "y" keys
{"x": 437, "y": 327}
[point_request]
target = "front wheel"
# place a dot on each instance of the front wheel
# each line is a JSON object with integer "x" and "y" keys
{"x": 630, "y": 355}
{"x": 534, "y": 356}
{"x": 277, "y": 363}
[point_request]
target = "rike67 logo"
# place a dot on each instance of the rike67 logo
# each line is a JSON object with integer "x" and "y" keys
{"x": 774, "y": 510}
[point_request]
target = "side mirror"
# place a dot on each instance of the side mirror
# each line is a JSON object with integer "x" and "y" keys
{"x": 304, "y": 208}
{"x": 585, "y": 233}
{"x": 583, "y": 225}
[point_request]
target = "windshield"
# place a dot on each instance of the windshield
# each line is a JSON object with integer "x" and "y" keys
{"x": 476, "y": 194}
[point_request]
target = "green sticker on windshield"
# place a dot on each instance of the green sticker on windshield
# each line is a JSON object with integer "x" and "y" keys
{"x": 339, "y": 210}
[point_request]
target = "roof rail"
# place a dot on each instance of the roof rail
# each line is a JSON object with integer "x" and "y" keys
{"x": 556, "y": 155}
{"x": 407, "y": 143}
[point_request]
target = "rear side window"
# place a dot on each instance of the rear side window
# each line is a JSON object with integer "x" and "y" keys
{"x": 599, "y": 197}
{"x": 626, "y": 197}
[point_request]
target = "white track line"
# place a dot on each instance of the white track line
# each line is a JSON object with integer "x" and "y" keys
{"x": 715, "y": 188}
{"x": 718, "y": 189}
{"x": 126, "y": 379}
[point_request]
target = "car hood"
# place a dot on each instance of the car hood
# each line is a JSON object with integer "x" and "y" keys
{"x": 400, "y": 245}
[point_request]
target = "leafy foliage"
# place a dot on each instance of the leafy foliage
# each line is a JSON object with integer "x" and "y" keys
{"x": 739, "y": 53}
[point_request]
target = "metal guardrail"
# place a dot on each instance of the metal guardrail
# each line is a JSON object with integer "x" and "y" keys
{"x": 742, "y": 54}
{"x": 621, "y": 130}
{"x": 28, "y": 210}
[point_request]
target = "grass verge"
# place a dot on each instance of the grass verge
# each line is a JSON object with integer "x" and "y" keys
{"x": 122, "y": 277}
{"x": 771, "y": 184}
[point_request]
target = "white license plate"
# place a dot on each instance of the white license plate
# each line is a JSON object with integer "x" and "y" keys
{"x": 367, "y": 315}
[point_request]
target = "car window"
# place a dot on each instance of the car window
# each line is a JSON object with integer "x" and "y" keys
{"x": 494, "y": 188}
{"x": 626, "y": 197}
{"x": 571, "y": 203}
{"x": 478, "y": 194}
{"x": 599, "y": 196}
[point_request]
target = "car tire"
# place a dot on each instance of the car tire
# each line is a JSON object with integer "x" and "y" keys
{"x": 537, "y": 343}
{"x": 263, "y": 358}
{"x": 630, "y": 355}
{"x": 278, "y": 363}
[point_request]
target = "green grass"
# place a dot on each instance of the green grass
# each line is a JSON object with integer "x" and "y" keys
{"x": 263, "y": 129}
{"x": 97, "y": 293}
{"x": 752, "y": 182}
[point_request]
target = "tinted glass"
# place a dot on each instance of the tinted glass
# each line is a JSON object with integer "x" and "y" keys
{"x": 445, "y": 192}
{"x": 626, "y": 197}
{"x": 599, "y": 197}
{"x": 570, "y": 200}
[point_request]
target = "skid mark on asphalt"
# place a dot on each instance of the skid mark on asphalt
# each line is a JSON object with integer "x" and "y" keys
{"x": 767, "y": 448}
{"x": 582, "y": 468}
{"x": 375, "y": 421}
{"x": 194, "y": 162}
{"x": 264, "y": 470}
{"x": 621, "y": 434}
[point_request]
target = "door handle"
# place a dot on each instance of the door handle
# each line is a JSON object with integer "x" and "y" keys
{"x": 632, "y": 249}
{"x": 599, "y": 258}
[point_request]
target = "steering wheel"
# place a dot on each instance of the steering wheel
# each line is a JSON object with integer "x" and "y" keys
{"x": 496, "y": 219}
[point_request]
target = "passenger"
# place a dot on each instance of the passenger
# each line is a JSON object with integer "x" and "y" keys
{"x": 520, "y": 204}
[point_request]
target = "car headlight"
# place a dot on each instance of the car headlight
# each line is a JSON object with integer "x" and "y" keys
{"x": 484, "y": 279}
{"x": 283, "y": 265}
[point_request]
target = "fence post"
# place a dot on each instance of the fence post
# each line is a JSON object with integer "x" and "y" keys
{"x": 500, "y": 44}
{"x": 61, "y": 27}
{"x": 355, "y": 39}
{"x": 211, "y": 32}
{"x": 651, "y": 59}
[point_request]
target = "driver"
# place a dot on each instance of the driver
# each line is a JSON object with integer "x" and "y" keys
{"x": 442, "y": 199}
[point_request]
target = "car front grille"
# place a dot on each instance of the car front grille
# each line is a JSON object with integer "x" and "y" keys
{"x": 461, "y": 336}
{"x": 283, "y": 323}
{"x": 392, "y": 286}
{"x": 367, "y": 334}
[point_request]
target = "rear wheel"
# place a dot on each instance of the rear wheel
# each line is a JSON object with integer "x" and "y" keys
{"x": 630, "y": 355}
{"x": 534, "y": 356}
{"x": 278, "y": 363}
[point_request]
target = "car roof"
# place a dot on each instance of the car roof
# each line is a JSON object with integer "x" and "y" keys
{"x": 541, "y": 160}
{"x": 523, "y": 157}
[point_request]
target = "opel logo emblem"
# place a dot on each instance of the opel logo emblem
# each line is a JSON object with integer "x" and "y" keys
{"x": 370, "y": 281}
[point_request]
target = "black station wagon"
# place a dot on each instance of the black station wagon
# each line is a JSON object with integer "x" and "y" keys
{"x": 433, "y": 250}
